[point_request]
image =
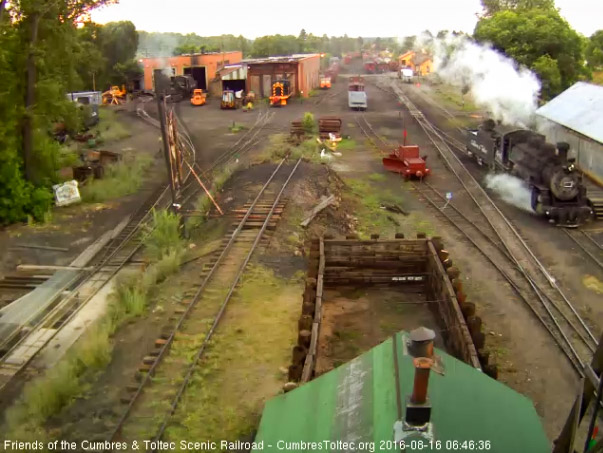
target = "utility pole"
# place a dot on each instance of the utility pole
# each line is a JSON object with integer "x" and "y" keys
{"x": 166, "y": 149}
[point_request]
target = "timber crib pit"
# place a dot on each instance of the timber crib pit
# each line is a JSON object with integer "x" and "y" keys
{"x": 421, "y": 263}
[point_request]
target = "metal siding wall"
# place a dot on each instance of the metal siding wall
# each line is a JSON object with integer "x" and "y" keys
{"x": 588, "y": 153}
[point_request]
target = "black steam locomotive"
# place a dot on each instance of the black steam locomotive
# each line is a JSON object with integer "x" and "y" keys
{"x": 558, "y": 191}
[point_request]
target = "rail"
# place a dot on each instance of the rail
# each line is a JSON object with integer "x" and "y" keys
{"x": 539, "y": 281}
{"x": 163, "y": 352}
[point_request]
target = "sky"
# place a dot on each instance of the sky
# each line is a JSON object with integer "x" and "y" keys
{"x": 387, "y": 18}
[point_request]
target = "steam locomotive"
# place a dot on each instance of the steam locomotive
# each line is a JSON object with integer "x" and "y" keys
{"x": 556, "y": 185}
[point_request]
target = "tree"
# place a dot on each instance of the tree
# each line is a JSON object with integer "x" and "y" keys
{"x": 594, "y": 50}
{"x": 492, "y": 7}
{"x": 408, "y": 43}
{"x": 526, "y": 36}
{"x": 38, "y": 38}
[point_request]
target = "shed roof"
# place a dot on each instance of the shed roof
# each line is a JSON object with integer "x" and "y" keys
{"x": 579, "y": 108}
{"x": 282, "y": 59}
{"x": 358, "y": 402}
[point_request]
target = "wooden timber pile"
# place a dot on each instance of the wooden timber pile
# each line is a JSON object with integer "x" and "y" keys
{"x": 329, "y": 125}
{"x": 297, "y": 130}
{"x": 461, "y": 309}
{"x": 416, "y": 265}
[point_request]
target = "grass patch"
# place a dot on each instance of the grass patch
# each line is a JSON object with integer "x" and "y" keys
{"x": 123, "y": 178}
{"x": 279, "y": 146}
{"x": 234, "y": 128}
{"x": 240, "y": 370}
{"x": 455, "y": 98}
{"x": 110, "y": 127}
{"x": 203, "y": 203}
{"x": 346, "y": 144}
{"x": 50, "y": 393}
{"x": 163, "y": 237}
{"x": 377, "y": 177}
{"x": 313, "y": 93}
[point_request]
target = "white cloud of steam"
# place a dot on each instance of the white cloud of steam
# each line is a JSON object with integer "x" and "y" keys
{"x": 494, "y": 81}
{"x": 511, "y": 189}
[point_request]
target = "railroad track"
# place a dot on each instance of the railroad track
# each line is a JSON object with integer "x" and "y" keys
{"x": 503, "y": 244}
{"x": 152, "y": 402}
{"x": 587, "y": 244}
{"x": 23, "y": 344}
{"x": 367, "y": 130}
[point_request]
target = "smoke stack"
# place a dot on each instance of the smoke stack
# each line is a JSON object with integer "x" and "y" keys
{"x": 418, "y": 410}
{"x": 421, "y": 342}
{"x": 422, "y": 369}
{"x": 562, "y": 150}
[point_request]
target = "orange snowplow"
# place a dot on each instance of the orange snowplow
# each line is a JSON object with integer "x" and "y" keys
{"x": 281, "y": 91}
{"x": 325, "y": 82}
{"x": 406, "y": 161}
{"x": 199, "y": 97}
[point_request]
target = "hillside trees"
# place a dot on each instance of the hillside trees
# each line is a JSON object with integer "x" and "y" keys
{"x": 539, "y": 39}
{"x": 594, "y": 50}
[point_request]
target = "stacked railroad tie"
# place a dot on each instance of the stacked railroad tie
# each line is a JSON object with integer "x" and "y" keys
{"x": 474, "y": 322}
{"x": 329, "y": 126}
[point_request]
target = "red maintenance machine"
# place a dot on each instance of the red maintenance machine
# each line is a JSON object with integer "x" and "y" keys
{"x": 406, "y": 161}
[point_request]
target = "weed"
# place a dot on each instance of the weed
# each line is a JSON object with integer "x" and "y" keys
{"x": 377, "y": 177}
{"x": 122, "y": 178}
{"x": 236, "y": 128}
{"x": 346, "y": 144}
{"x": 163, "y": 236}
{"x": 309, "y": 123}
{"x": 110, "y": 127}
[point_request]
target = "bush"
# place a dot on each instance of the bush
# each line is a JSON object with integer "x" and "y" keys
{"x": 122, "y": 178}
{"x": 308, "y": 123}
{"x": 19, "y": 198}
{"x": 163, "y": 236}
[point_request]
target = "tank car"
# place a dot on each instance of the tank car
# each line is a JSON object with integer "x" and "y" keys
{"x": 556, "y": 185}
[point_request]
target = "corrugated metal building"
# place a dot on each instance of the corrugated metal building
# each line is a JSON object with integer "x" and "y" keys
{"x": 230, "y": 77}
{"x": 302, "y": 72}
{"x": 576, "y": 117}
{"x": 366, "y": 399}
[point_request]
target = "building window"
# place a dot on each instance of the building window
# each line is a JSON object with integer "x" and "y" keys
{"x": 173, "y": 71}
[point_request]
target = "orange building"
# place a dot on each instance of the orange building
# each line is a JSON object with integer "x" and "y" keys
{"x": 202, "y": 67}
{"x": 420, "y": 63}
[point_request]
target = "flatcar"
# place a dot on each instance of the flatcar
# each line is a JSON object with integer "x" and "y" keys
{"x": 557, "y": 188}
{"x": 356, "y": 94}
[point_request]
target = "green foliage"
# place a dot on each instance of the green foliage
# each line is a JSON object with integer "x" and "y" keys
{"x": 308, "y": 123}
{"x": 594, "y": 50}
{"x": 108, "y": 53}
{"x": 120, "y": 179}
{"x": 538, "y": 39}
{"x": 164, "y": 235}
{"x": 548, "y": 72}
{"x": 492, "y": 7}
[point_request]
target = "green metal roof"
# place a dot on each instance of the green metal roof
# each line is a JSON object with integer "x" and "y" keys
{"x": 357, "y": 402}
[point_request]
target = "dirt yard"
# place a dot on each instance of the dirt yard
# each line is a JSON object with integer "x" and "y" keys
{"x": 355, "y": 319}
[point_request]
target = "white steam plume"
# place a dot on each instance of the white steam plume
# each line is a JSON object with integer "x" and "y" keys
{"x": 511, "y": 189}
{"x": 495, "y": 82}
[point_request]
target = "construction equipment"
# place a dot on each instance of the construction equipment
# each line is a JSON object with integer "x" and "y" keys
{"x": 406, "y": 161}
{"x": 281, "y": 91}
{"x": 114, "y": 95}
{"x": 199, "y": 97}
{"x": 228, "y": 100}
{"x": 325, "y": 82}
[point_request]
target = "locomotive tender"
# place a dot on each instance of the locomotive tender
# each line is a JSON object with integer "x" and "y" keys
{"x": 558, "y": 191}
